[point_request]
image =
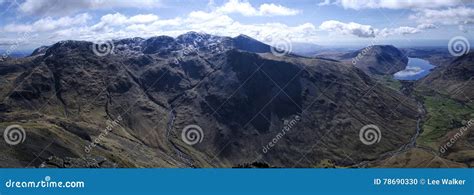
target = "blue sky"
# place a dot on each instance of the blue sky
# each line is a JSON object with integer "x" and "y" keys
{"x": 27, "y": 24}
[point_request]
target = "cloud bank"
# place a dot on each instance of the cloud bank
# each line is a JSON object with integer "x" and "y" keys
{"x": 64, "y": 7}
{"x": 246, "y": 9}
{"x": 393, "y": 4}
{"x": 366, "y": 31}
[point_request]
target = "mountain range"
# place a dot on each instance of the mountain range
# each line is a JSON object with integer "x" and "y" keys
{"x": 128, "y": 107}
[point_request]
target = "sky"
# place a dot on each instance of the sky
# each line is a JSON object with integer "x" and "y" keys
{"x": 28, "y": 24}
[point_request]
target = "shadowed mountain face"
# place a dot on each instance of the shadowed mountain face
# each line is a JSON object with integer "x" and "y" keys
{"x": 378, "y": 59}
{"x": 454, "y": 79}
{"x": 128, "y": 108}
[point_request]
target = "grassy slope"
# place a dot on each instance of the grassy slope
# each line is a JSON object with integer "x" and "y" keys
{"x": 443, "y": 115}
{"x": 389, "y": 82}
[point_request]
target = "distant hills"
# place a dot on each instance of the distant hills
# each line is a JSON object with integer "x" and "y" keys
{"x": 378, "y": 59}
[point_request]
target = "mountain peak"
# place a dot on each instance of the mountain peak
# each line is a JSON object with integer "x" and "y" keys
{"x": 378, "y": 59}
{"x": 193, "y": 36}
{"x": 242, "y": 36}
{"x": 193, "y": 33}
{"x": 244, "y": 42}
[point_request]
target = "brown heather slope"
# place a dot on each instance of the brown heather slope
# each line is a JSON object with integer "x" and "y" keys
{"x": 241, "y": 100}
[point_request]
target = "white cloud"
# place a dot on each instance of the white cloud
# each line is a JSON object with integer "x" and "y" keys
{"x": 217, "y": 21}
{"x": 325, "y": 2}
{"x": 426, "y": 26}
{"x": 351, "y": 28}
{"x": 450, "y": 16}
{"x": 110, "y": 21}
{"x": 403, "y": 30}
{"x": 236, "y": 6}
{"x": 428, "y": 13}
{"x": 117, "y": 26}
{"x": 64, "y": 7}
{"x": 246, "y": 9}
{"x": 48, "y": 24}
{"x": 409, "y": 71}
{"x": 395, "y": 4}
{"x": 143, "y": 19}
{"x": 276, "y": 10}
{"x": 365, "y": 31}
{"x": 221, "y": 24}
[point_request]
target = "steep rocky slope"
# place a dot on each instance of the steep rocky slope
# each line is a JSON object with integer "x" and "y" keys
{"x": 132, "y": 105}
{"x": 454, "y": 79}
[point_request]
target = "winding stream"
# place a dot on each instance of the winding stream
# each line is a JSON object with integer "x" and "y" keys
{"x": 411, "y": 144}
{"x": 184, "y": 158}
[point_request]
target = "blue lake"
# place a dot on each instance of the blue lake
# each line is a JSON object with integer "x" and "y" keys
{"x": 416, "y": 69}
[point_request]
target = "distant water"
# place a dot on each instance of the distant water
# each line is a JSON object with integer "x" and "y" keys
{"x": 416, "y": 69}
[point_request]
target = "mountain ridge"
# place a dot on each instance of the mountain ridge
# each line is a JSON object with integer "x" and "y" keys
{"x": 189, "y": 40}
{"x": 240, "y": 99}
